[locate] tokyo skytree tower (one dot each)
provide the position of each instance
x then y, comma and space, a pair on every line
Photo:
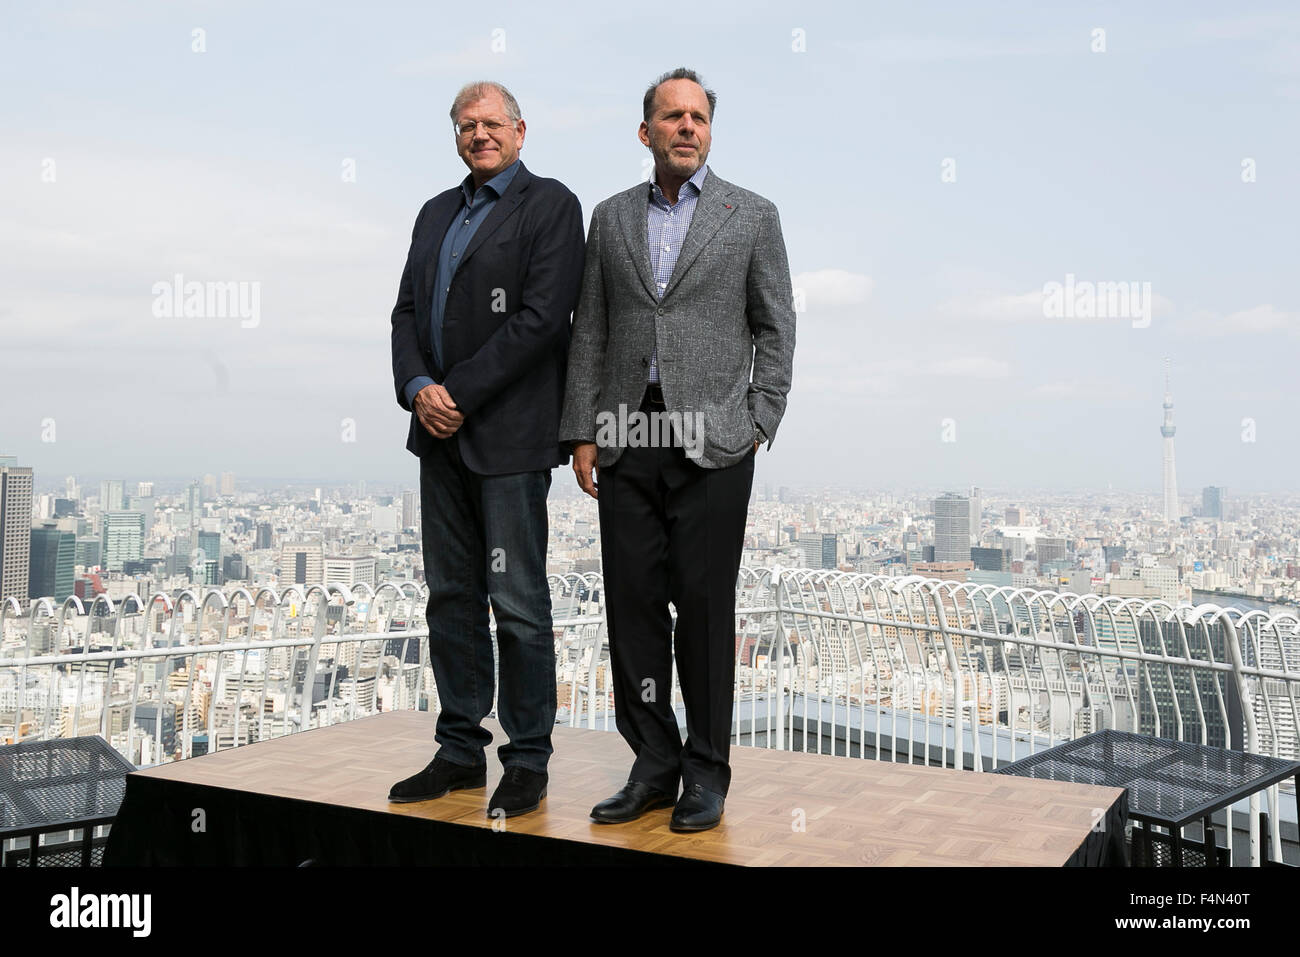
1167, 430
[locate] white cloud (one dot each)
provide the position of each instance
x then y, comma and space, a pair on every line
1013, 308
82, 253
1263, 318
830, 288
1258, 320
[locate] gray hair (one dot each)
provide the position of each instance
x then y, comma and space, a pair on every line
681, 73
473, 92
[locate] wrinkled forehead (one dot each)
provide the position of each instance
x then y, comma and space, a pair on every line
680, 95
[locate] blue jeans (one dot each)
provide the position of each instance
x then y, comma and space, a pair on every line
484, 538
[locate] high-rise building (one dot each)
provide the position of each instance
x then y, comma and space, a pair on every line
144, 504
144, 489
1212, 497
121, 539
227, 483
386, 518
976, 510
1186, 700
1163, 578
233, 569
819, 549
194, 501
300, 564
1050, 550
209, 556
158, 719
263, 535
88, 552
410, 508
952, 528
991, 559
15, 528
348, 570
1015, 515
1170, 482
112, 495
53, 555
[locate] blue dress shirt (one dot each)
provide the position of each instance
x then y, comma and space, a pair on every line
666, 227
475, 208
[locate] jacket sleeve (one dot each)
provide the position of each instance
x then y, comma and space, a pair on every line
550, 289
407, 361
769, 308
586, 347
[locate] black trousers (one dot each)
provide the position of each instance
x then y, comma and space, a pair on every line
673, 531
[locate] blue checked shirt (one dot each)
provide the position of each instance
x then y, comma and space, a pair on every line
666, 228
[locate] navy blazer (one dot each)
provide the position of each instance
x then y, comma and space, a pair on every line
505, 334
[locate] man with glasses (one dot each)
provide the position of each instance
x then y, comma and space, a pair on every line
686, 316
480, 337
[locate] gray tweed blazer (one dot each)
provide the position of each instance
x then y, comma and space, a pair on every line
724, 326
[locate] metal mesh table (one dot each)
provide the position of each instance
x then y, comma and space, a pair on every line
1170, 783
59, 785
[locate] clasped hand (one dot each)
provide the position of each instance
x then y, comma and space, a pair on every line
437, 411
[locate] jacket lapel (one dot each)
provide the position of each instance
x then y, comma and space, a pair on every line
503, 210
632, 212
439, 221
449, 205
711, 211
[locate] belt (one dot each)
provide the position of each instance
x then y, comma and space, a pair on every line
654, 395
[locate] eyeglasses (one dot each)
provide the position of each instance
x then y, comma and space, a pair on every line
468, 127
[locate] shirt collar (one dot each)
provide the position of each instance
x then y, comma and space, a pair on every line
696, 180
497, 183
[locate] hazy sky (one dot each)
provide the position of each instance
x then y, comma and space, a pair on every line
935, 165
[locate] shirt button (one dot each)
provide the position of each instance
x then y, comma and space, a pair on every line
467, 222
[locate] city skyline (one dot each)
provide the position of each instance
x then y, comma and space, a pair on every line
1168, 486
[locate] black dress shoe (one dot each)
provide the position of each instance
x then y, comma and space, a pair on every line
519, 792
697, 810
630, 803
439, 777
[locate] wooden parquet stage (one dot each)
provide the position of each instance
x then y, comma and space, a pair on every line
321, 797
